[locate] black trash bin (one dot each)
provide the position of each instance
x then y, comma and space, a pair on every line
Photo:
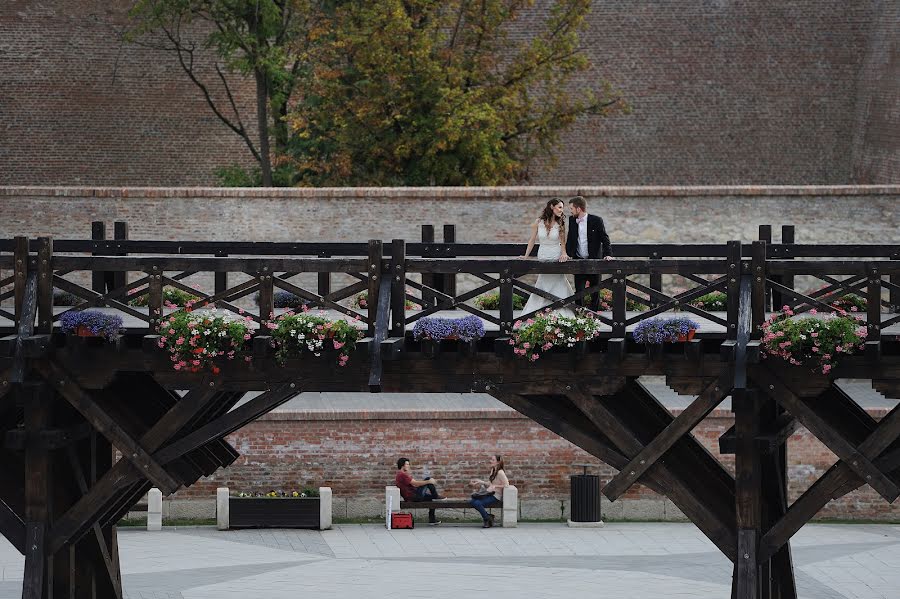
585, 496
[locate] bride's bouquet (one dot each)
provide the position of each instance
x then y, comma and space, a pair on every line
548, 330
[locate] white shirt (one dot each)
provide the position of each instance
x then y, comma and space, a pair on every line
582, 238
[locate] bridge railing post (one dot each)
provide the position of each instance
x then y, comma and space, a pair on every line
450, 278
873, 299
759, 288
155, 295
428, 279
220, 281
45, 285
655, 279
98, 277
398, 288
619, 291
779, 300
20, 269
734, 287
895, 293
765, 234
506, 301
120, 233
374, 273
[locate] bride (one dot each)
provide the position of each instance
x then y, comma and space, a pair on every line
550, 232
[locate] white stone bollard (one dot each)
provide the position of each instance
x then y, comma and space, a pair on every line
391, 503
510, 507
154, 510
324, 508
222, 517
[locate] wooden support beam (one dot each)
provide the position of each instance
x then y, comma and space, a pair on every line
683, 424
12, 526
381, 323
230, 422
769, 439
25, 329
826, 433
833, 484
760, 289
873, 299
131, 449
734, 286
85, 512
38, 402
688, 498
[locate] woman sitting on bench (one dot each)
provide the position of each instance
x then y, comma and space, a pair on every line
490, 492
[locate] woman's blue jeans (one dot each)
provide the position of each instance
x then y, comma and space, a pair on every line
483, 502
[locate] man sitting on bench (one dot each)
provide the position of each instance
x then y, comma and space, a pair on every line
416, 490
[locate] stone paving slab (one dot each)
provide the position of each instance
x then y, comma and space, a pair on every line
645, 560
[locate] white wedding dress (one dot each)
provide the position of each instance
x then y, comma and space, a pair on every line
557, 285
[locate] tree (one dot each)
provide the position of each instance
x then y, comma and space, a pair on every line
257, 39
435, 92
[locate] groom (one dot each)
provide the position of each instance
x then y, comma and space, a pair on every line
587, 238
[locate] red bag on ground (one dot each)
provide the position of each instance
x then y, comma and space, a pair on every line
402, 520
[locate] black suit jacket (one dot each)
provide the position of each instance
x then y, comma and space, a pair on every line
598, 240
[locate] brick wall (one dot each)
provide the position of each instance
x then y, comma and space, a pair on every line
836, 214
876, 133
722, 92
355, 453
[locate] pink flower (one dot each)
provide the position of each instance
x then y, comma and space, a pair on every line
813, 311
854, 309
246, 336
512, 341
826, 368
195, 362
534, 357
813, 334
247, 358
526, 345
338, 344
176, 366
240, 310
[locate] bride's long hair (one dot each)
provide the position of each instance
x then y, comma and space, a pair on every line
548, 218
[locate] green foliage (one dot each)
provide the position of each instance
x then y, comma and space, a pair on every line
850, 302
548, 330
816, 340
606, 300
237, 176
172, 298
195, 339
491, 301
428, 92
296, 334
713, 302
362, 301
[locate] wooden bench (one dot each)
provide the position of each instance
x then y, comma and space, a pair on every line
509, 508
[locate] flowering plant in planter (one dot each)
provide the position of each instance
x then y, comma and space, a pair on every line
194, 338
813, 339
850, 302
664, 330
712, 302
285, 299
469, 328
306, 492
491, 301
548, 330
295, 334
91, 323
172, 298
362, 301
606, 302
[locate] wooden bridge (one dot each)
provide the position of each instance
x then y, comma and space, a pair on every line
66, 402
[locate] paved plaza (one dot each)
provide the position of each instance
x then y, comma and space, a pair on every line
622, 560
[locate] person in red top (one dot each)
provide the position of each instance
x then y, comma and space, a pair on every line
416, 490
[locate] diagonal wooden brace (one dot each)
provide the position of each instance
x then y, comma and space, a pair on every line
850, 455
685, 422
124, 472
131, 448
839, 480
685, 496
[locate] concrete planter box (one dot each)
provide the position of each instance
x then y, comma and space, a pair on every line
273, 512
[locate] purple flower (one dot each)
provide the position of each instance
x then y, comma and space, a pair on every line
99, 323
466, 329
663, 330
